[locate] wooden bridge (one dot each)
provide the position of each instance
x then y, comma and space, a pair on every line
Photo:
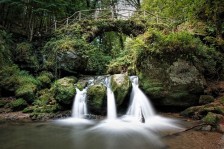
110, 14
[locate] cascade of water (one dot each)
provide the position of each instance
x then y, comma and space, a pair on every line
140, 105
111, 106
79, 108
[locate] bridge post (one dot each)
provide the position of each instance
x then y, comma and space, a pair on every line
55, 24
80, 15
144, 14
67, 22
112, 13
157, 18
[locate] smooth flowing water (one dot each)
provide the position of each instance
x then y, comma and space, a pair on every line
111, 106
140, 106
79, 108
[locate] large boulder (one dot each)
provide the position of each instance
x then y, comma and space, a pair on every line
96, 102
72, 61
121, 86
64, 90
179, 84
66, 54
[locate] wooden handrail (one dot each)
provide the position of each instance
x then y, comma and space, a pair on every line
95, 14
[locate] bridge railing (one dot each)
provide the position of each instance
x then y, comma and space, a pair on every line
109, 14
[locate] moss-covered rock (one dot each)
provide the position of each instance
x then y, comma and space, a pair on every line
45, 103
27, 87
198, 112
64, 90
18, 104
179, 84
211, 118
26, 91
205, 99
121, 86
66, 55
96, 95
45, 78
13, 81
25, 56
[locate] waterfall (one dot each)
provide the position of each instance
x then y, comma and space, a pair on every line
79, 108
139, 107
111, 106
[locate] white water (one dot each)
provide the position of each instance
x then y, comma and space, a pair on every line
140, 106
111, 105
79, 108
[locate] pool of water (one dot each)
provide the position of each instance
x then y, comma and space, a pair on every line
71, 134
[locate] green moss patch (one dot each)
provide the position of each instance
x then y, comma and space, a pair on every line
18, 104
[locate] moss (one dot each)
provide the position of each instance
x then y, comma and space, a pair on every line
64, 90
18, 104
190, 112
46, 109
205, 99
25, 56
3, 103
96, 98
28, 110
211, 118
121, 86
27, 86
36, 109
80, 85
45, 103
45, 78
8, 78
222, 100
66, 54
152, 86
26, 91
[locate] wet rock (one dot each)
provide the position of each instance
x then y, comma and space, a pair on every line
205, 99
179, 84
121, 86
199, 112
211, 118
72, 61
64, 90
96, 99
206, 128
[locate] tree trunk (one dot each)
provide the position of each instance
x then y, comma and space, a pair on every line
2, 14
31, 25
